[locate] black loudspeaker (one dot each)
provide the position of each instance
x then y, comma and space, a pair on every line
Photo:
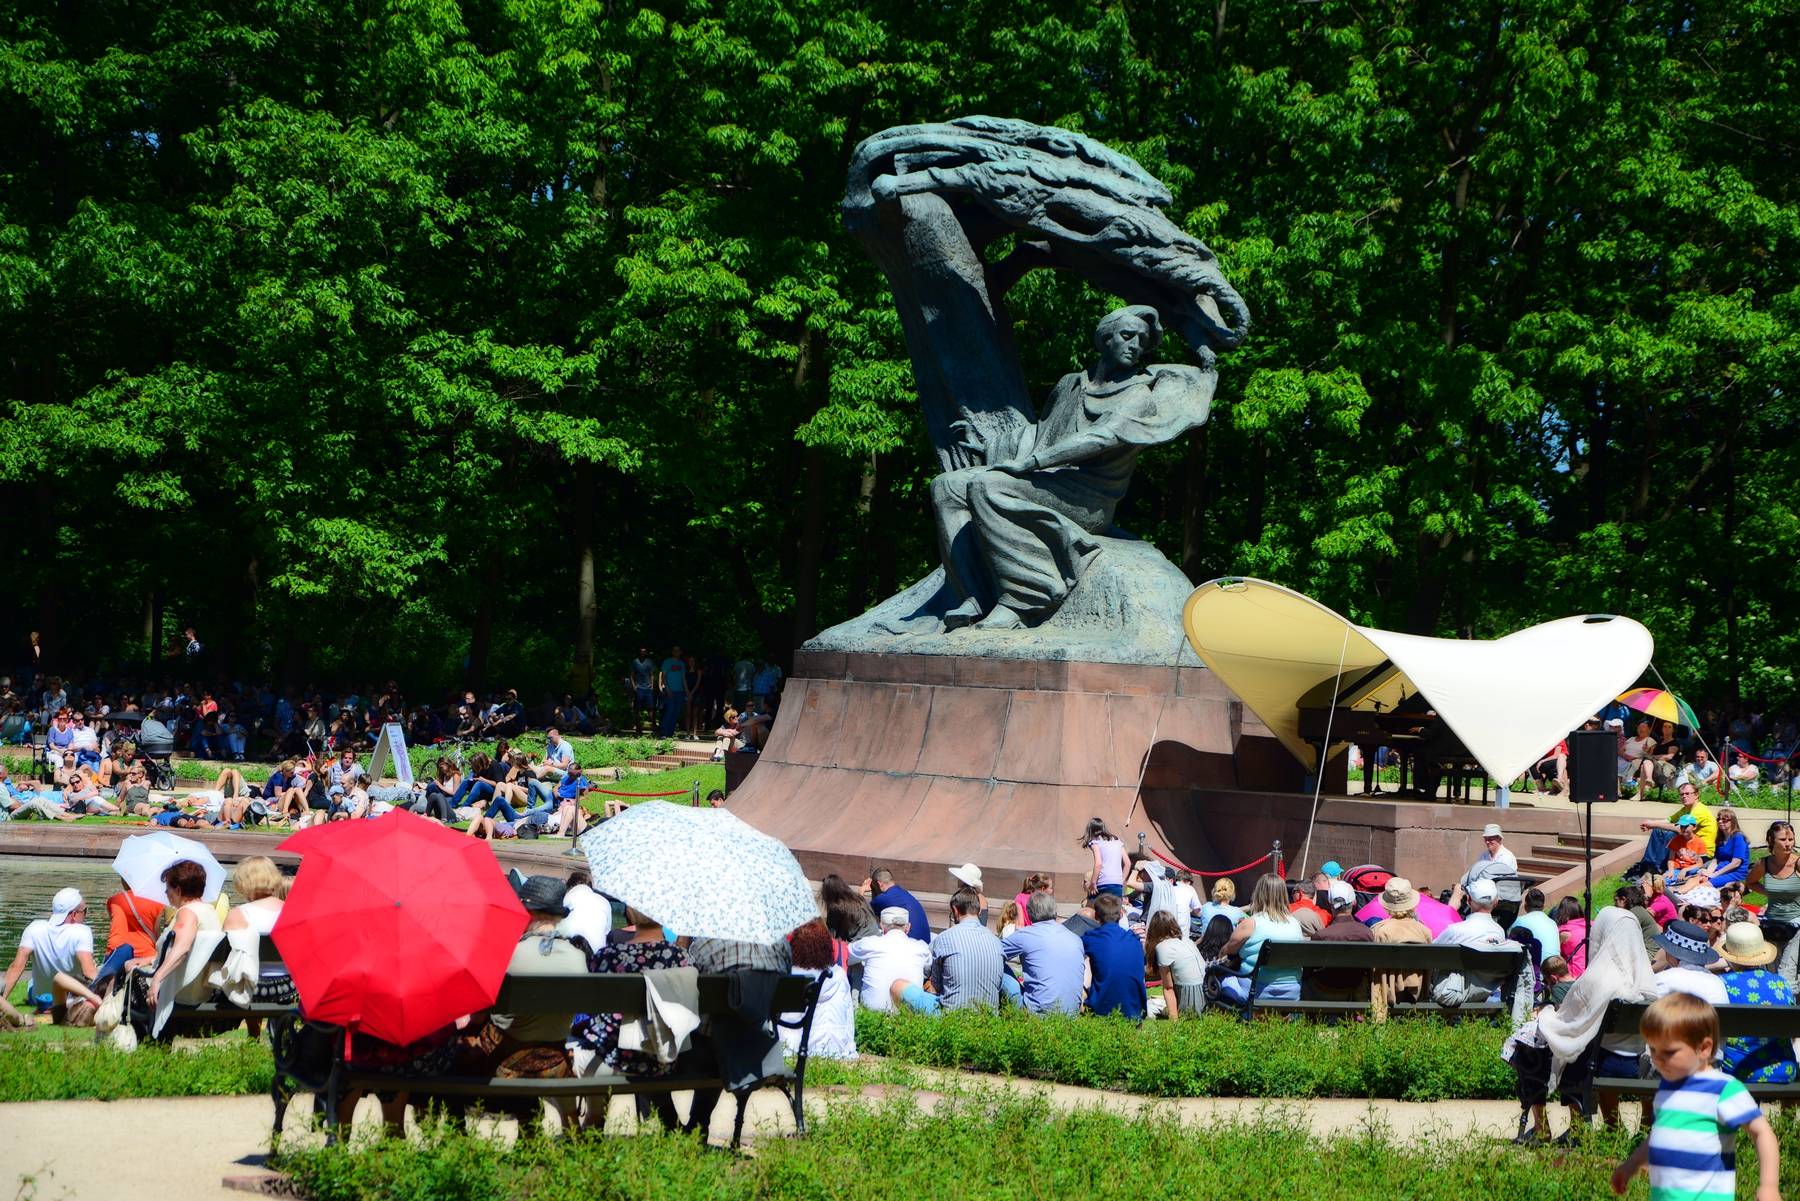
1593, 766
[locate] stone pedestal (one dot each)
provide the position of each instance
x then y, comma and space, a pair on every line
921, 762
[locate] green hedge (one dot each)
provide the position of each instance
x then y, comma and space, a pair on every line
1413, 1059
982, 1149
58, 1070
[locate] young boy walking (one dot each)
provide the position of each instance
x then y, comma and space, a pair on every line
1692, 1148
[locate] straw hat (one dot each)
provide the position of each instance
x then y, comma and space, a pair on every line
1399, 896
1745, 946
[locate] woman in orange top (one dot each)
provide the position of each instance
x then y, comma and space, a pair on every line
131, 922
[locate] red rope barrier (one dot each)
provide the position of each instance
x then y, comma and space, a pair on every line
1196, 871
609, 792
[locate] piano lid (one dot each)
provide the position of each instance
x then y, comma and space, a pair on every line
1507, 699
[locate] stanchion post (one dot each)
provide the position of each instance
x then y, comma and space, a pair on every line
695, 801
1275, 863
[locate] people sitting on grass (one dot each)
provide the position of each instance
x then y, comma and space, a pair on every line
883, 893
132, 924
968, 969
1731, 858
1572, 934
1223, 904
1777, 876
834, 1018
21, 799
1177, 964
1267, 921
847, 912
1051, 959
59, 951
1631, 899
893, 959
1115, 960
1684, 955
1534, 924
1305, 908
1480, 931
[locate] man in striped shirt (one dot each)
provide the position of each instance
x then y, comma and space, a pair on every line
967, 966
1692, 1148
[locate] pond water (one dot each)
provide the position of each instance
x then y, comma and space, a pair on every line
27, 882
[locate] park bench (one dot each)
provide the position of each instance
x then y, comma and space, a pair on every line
525, 995
1398, 957
598, 993
1735, 1021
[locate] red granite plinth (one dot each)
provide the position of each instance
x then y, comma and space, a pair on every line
922, 762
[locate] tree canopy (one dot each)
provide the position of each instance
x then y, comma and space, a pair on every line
488, 340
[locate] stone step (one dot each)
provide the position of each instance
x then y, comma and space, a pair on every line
1602, 842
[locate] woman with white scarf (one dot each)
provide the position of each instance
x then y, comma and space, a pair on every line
1618, 970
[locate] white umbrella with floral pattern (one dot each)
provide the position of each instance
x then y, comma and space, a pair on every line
700, 872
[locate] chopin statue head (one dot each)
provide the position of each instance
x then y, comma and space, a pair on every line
1126, 337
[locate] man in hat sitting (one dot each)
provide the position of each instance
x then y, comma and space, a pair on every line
1497, 864
1480, 930
60, 952
1681, 963
892, 957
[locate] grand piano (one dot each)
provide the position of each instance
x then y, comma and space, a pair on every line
1373, 708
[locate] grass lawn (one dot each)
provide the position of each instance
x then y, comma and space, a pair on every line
682, 779
976, 1146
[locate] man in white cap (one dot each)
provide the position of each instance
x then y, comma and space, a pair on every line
60, 952
889, 957
1478, 930
1499, 866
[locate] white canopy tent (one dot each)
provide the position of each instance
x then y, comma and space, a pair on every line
1508, 700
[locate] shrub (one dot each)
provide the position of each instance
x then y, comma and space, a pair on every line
1413, 1059
44, 1070
979, 1148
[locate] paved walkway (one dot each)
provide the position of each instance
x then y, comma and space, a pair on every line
105, 1150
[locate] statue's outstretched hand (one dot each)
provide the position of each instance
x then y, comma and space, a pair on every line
1012, 467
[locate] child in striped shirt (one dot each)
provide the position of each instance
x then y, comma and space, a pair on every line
1692, 1148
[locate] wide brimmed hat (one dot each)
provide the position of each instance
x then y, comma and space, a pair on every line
1399, 896
1745, 946
543, 894
969, 874
1491, 830
1687, 942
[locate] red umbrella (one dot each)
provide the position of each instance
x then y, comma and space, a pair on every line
396, 926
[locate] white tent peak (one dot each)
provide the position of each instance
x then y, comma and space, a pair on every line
1507, 699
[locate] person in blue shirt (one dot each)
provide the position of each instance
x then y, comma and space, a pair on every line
674, 689
883, 892
557, 753
570, 817
1051, 958
1116, 958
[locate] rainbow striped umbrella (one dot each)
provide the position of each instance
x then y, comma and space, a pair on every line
1664, 706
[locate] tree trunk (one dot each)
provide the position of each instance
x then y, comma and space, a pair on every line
587, 604
49, 598
481, 637
809, 543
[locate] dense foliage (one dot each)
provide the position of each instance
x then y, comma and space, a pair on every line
980, 1148
484, 339
43, 1069
1215, 1056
